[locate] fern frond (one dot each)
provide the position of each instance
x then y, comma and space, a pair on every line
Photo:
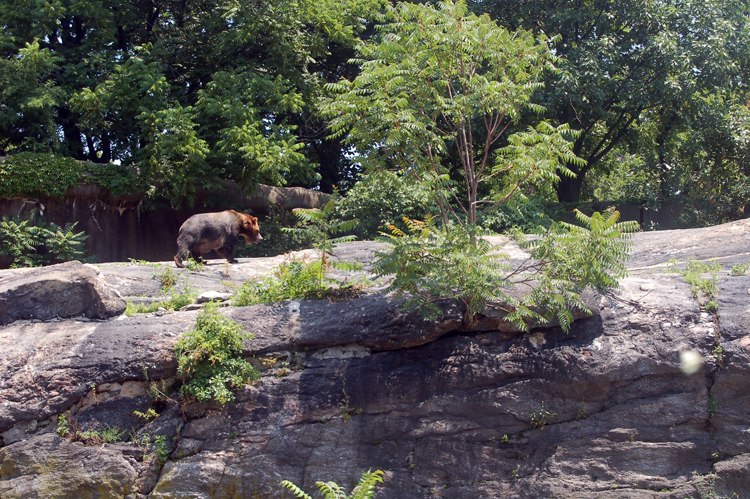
295, 490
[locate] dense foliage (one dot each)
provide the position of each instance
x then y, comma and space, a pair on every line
32, 244
43, 174
383, 198
629, 64
438, 93
29, 174
188, 92
209, 358
430, 264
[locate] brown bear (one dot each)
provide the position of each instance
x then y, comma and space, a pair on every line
215, 231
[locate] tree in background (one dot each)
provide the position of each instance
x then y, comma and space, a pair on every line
622, 60
189, 93
438, 93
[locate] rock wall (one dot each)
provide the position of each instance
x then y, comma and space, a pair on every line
607, 411
128, 227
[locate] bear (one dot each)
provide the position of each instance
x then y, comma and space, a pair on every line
215, 231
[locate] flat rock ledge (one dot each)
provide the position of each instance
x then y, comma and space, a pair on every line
608, 410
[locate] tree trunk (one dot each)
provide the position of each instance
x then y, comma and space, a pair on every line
569, 189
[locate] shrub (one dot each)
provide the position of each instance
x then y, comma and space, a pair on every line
432, 264
289, 281
381, 199
295, 280
33, 245
208, 358
37, 174
315, 221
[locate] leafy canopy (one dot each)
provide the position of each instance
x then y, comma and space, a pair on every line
626, 62
187, 93
439, 92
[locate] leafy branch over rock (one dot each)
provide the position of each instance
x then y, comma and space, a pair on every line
432, 264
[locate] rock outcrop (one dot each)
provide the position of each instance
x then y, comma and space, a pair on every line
607, 410
66, 290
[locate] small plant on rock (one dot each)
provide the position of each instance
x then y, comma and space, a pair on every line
741, 269
63, 426
209, 358
195, 265
541, 418
321, 222
705, 289
161, 449
167, 278
149, 415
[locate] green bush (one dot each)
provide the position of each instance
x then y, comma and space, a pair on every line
209, 358
429, 264
432, 264
33, 245
37, 174
381, 199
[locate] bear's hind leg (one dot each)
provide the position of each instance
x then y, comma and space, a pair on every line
180, 256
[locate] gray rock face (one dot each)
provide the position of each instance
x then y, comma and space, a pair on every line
606, 411
66, 290
50, 467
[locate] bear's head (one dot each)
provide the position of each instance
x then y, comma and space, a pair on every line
249, 228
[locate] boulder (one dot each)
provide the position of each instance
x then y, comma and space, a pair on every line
69, 289
50, 467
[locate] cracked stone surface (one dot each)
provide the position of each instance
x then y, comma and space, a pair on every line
602, 412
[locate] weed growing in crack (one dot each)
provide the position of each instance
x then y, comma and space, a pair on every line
149, 415
582, 413
711, 406
741, 269
541, 418
348, 411
63, 426
718, 353
161, 450
699, 285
